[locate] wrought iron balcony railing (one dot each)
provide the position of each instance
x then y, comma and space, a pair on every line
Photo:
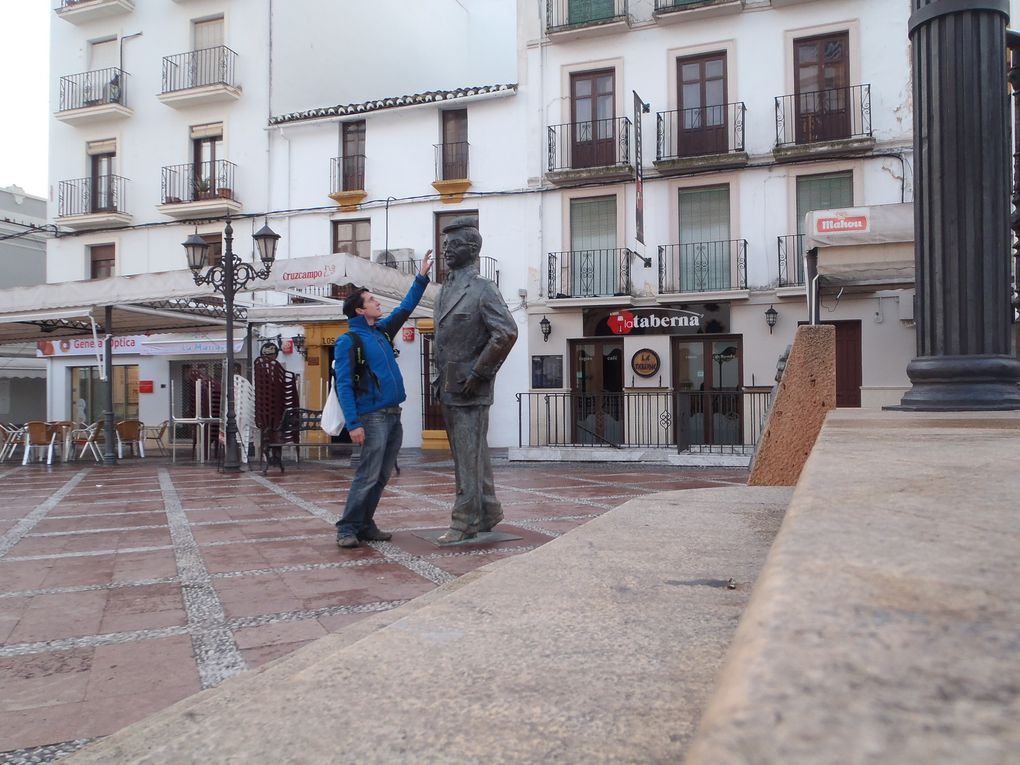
452, 161
591, 144
197, 181
665, 6
487, 267
710, 420
823, 115
565, 14
347, 173
96, 88
88, 196
589, 273
199, 68
703, 266
791, 259
700, 131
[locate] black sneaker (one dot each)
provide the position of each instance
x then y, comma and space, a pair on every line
349, 540
375, 535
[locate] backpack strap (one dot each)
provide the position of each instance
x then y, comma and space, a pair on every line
359, 364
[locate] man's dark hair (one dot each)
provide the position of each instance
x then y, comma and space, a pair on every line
353, 302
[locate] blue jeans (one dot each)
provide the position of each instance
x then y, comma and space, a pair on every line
383, 436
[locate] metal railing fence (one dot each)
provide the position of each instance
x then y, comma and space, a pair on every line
685, 420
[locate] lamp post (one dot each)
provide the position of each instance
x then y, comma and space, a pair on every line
227, 277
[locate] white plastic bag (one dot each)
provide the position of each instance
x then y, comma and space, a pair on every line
332, 420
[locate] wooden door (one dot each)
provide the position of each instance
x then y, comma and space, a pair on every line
593, 125
822, 71
701, 102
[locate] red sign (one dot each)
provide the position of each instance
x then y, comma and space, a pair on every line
408, 334
287, 346
145, 386
841, 223
621, 322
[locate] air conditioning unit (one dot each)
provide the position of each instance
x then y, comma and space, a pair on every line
393, 257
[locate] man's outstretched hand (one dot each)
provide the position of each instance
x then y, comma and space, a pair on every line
426, 263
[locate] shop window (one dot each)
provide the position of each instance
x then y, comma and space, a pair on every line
88, 393
546, 371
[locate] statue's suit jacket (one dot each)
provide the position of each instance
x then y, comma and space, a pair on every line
474, 334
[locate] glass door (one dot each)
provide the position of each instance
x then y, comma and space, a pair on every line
597, 392
706, 380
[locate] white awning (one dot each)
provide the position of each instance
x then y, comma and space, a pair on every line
170, 300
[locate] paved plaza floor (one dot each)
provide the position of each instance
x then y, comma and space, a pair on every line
125, 589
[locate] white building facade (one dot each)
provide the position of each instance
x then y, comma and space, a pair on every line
361, 129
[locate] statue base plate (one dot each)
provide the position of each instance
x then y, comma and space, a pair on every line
482, 538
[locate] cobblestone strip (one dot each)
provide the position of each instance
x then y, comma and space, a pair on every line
41, 754
216, 653
80, 532
243, 622
90, 641
26, 524
89, 587
89, 553
393, 553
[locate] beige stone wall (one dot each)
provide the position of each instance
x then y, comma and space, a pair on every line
806, 393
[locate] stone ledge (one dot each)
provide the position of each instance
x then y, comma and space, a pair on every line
883, 628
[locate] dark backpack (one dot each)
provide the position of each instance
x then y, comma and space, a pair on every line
361, 373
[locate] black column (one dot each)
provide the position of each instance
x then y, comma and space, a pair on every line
961, 213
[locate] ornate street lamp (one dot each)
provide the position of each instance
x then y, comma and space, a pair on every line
228, 277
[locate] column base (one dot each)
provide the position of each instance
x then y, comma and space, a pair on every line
962, 384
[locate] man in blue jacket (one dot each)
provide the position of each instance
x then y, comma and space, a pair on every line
371, 403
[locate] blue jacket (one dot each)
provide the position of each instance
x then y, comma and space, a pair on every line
380, 359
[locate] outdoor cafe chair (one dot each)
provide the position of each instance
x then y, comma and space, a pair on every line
38, 435
12, 436
89, 438
130, 433
156, 433
63, 429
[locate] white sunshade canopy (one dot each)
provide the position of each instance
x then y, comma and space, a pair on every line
170, 300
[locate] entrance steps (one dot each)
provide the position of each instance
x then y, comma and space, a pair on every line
735, 456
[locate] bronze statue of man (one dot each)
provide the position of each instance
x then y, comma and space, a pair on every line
474, 334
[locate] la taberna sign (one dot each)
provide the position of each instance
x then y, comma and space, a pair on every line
691, 319
626, 321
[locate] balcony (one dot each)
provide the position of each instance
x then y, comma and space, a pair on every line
96, 202
824, 122
199, 190
86, 11
93, 97
670, 11
590, 274
708, 137
791, 260
452, 171
596, 150
572, 19
347, 181
200, 77
487, 267
703, 267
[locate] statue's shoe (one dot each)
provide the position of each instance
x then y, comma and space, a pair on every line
454, 535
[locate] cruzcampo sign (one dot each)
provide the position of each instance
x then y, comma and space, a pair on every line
692, 319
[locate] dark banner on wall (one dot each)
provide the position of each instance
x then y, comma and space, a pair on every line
687, 319
639, 173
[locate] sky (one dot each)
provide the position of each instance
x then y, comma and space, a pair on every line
24, 93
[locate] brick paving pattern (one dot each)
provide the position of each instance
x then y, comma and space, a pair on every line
126, 589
